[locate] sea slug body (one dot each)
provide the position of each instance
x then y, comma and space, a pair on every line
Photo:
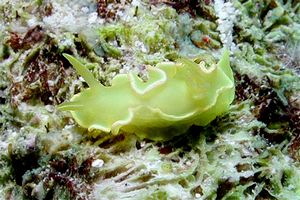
176, 96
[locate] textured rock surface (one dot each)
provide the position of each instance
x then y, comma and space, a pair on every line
251, 152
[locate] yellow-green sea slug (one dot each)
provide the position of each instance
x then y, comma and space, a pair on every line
176, 96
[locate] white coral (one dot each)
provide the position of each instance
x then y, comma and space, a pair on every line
226, 14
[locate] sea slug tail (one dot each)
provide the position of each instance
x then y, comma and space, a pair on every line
224, 64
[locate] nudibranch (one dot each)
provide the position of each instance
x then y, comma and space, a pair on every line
175, 96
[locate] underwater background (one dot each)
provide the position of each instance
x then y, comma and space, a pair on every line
252, 151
